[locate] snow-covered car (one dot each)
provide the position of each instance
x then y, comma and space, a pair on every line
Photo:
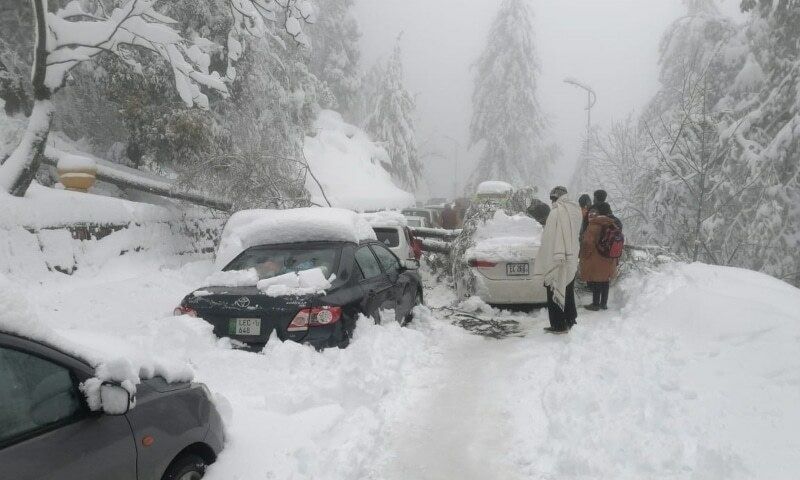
494, 190
48, 428
417, 222
426, 213
303, 275
500, 262
391, 229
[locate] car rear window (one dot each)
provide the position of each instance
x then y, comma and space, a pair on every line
273, 261
388, 236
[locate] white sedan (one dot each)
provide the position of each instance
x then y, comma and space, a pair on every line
501, 262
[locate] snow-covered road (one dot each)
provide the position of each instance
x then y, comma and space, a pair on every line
694, 374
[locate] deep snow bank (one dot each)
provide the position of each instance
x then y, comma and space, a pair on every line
348, 165
696, 377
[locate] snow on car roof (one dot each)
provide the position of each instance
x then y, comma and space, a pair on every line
112, 358
386, 218
249, 228
494, 187
504, 237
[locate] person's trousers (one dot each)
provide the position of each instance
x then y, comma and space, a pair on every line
599, 293
562, 319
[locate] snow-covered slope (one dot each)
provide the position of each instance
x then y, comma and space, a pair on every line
697, 376
348, 165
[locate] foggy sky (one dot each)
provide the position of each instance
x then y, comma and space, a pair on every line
611, 45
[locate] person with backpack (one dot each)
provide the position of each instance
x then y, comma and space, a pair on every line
601, 247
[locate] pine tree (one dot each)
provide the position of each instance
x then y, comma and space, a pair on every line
768, 143
391, 123
689, 172
507, 119
335, 56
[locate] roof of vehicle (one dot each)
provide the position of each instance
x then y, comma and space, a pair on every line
494, 187
385, 219
250, 228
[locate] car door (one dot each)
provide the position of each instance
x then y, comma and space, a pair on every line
375, 284
402, 293
46, 429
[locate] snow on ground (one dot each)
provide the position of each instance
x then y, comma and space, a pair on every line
692, 374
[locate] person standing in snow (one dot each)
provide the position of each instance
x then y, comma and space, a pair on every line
557, 260
449, 218
595, 269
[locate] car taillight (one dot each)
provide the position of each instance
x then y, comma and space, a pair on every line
315, 317
184, 310
482, 263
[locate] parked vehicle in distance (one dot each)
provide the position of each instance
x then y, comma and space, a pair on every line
500, 264
494, 190
47, 430
429, 215
417, 222
391, 229
305, 277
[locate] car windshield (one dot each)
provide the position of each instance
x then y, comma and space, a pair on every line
388, 236
271, 261
414, 222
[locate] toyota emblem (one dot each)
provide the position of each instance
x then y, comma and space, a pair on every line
243, 302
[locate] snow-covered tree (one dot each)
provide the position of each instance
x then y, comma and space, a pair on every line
391, 122
335, 56
78, 33
689, 176
507, 119
767, 141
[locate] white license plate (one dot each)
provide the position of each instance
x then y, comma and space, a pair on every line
518, 269
244, 326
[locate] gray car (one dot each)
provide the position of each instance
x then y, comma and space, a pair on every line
47, 430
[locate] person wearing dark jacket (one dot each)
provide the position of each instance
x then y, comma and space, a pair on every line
585, 202
449, 218
595, 269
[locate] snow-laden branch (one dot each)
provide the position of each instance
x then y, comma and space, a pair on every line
74, 36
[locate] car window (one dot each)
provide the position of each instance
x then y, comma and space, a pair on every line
387, 258
273, 261
388, 236
34, 394
366, 260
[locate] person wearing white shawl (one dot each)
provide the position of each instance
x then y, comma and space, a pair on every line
557, 260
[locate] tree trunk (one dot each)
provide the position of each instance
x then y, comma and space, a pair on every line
19, 169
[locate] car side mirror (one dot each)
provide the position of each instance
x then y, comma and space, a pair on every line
410, 264
115, 399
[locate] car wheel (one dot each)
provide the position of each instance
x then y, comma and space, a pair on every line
186, 467
410, 316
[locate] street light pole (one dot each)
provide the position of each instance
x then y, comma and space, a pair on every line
591, 100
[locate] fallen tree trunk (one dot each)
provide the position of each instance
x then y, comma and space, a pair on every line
438, 233
124, 177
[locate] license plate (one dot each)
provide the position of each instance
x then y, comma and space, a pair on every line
517, 269
244, 326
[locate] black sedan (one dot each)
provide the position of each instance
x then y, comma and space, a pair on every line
368, 278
